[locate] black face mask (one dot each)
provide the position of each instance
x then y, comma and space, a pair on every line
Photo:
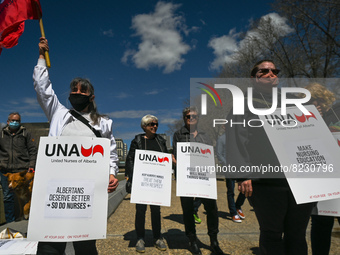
79, 101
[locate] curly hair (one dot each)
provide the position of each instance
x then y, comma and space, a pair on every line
322, 95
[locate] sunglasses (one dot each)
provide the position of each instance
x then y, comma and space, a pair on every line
152, 124
191, 116
14, 120
267, 70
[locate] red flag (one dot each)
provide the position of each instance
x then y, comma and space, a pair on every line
13, 14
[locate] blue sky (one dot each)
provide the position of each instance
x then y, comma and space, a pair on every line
139, 55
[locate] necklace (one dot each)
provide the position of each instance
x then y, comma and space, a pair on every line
264, 100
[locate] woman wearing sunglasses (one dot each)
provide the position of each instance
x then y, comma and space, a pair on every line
283, 223
153, 142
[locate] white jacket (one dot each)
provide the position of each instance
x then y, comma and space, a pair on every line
58, 115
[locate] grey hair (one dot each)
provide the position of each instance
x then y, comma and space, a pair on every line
14, 113
189, 109
147, 119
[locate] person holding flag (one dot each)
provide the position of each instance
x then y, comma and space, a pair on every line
82, 120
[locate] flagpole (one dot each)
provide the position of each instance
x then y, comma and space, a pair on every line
47, 56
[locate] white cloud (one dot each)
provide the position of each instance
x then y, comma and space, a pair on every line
168, 121
108, 33
161, 114
127, 135
130, 114
24, 104
123, 95
27, 107
162, 44
279, 22
152, 92
224, 47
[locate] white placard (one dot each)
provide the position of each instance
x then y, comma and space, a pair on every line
151, 178
305, 148
69, 198
17, 247
328, 208
196, 176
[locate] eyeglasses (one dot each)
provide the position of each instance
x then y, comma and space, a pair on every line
191, 116
14, 120
152, 124
267, 70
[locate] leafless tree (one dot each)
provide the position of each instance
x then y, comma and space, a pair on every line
311, 49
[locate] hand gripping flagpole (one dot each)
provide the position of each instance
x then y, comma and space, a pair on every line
47, 56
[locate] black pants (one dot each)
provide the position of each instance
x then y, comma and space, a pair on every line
155, 220
58, 248
210, 207
282, 222
321, 234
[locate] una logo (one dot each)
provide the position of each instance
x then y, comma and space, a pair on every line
153, 158
204, 96
193, 149
206, 151
64, 150
303, 118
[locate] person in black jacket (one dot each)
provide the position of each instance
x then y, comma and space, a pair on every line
18, 152
190, 133
321, 230
283, 223
147, 141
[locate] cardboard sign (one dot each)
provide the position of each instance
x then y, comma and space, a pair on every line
307, 153
151, 178
196, 176
69, 199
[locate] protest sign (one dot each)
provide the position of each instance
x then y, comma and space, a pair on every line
151, 178
69, 199
17, 247
328, 208
196, 176
307, 153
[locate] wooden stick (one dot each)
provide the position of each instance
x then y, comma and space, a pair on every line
47, 56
